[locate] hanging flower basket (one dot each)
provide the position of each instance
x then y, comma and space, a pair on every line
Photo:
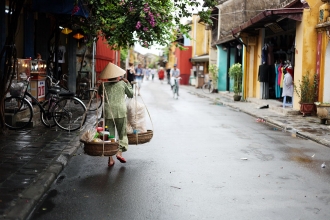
140, 138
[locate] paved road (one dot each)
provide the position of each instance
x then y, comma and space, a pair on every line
206, 161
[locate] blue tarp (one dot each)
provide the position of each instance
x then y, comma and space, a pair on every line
58, 7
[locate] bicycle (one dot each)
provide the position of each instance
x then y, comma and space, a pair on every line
175, 87
208, 87
87, 95
67, 111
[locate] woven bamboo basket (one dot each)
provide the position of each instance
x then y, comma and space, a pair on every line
140, 138
96, 148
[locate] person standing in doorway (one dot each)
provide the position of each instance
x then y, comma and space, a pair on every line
175, 74
138, 77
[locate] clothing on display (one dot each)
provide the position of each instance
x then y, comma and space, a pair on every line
60, 54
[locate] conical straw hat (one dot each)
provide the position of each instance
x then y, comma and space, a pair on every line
111, 71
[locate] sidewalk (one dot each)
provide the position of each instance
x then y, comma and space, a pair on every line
282, 118
30, 161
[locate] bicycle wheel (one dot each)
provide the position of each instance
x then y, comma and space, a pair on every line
18, 112
207, 88
69, 113
47, 117
91, 94
175, 91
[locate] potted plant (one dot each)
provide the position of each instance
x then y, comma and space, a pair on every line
323, 111
306, 91
213, 69
236, 73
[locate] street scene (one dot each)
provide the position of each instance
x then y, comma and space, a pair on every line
205, 161
206, 109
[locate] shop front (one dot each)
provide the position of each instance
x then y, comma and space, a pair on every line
200, 65
271, 48
229, 52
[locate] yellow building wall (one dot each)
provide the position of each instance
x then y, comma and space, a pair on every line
306, 45
200, 38
171, 56
257, 63
325, 42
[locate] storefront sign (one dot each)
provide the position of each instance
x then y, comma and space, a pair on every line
41, 89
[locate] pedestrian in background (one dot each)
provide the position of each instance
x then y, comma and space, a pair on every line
168, 74
130, 74
138, 77
161, 74
153, 72
147, 73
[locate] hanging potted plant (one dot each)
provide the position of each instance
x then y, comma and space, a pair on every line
236, 73
306, 91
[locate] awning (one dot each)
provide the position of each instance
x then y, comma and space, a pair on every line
223, 40
59, 7
200, 59
269, 17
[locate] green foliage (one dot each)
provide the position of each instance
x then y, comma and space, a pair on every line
126, 22
236, 73
213, 69
307, 88
123, 54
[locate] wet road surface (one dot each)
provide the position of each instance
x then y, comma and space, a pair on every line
205, 161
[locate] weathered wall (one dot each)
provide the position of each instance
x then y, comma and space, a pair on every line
306, 45
235, 12
200, 38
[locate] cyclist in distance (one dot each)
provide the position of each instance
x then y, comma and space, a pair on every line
174, 74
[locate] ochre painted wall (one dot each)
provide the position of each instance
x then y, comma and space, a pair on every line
171, 56
200, 38
257, 63
306, 45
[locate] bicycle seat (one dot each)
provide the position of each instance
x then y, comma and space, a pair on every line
54, 90
82, 84
67, 94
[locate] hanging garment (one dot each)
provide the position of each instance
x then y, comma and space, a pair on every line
281, 76
270, 55
263, 73
279, 69
277, 86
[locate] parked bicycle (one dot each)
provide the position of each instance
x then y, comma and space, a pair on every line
87, 95
208, 87
66, 110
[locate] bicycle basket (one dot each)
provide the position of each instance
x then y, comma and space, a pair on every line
17, 88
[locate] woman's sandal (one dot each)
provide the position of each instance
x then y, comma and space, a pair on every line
110, 164
121, 159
